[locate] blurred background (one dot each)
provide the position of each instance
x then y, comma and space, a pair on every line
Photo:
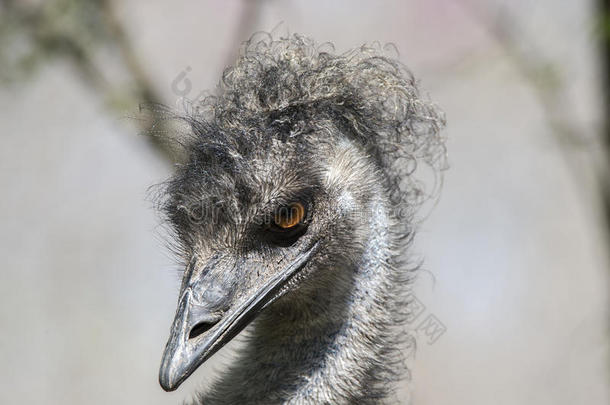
516, 273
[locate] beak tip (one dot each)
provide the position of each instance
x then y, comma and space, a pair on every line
168, 378
166, 381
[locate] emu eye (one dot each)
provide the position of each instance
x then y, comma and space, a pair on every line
290, 216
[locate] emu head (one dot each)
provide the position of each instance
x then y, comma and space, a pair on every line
284, 167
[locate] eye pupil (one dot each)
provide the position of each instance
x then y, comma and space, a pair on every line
290, 216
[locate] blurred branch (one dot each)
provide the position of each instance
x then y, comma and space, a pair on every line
79, 32
76, 31
604, 12
546, 80
246, 24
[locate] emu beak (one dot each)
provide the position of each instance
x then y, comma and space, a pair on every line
197, 333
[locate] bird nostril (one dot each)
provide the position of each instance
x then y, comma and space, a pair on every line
201, 328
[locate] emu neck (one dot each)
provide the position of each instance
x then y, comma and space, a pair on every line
338, 347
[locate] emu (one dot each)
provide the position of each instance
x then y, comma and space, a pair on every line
291, 215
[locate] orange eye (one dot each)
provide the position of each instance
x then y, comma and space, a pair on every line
290, 216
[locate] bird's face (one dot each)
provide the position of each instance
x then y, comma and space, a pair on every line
266, 230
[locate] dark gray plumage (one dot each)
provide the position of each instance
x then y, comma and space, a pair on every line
294, 131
